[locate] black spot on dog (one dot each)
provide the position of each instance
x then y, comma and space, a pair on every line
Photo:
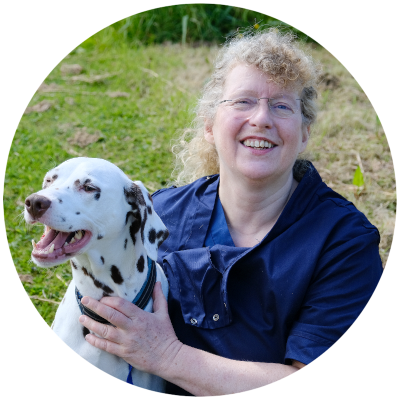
73, 265
99, 237
60, 200
62, 219
162, 235
107, 289
149, 210
105, 294
135, 225
96, 282
77, 213
133, 230
134, 195
116, 275
70, 227
159, 234
143, 224
150, 198
87, 181
135, 214
49, 181
152, 235
102, 259
97, 196
140, 264
85, 331
125, 243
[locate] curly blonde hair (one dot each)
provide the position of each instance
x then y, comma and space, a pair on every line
274, 53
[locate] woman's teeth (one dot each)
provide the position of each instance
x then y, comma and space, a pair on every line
258, 143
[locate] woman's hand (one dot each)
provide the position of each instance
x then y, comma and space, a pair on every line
146, 341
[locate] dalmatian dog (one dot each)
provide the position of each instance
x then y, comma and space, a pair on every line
106, 226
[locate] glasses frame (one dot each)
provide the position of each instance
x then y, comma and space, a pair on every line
268, 102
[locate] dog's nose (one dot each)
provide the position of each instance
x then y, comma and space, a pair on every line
37, 205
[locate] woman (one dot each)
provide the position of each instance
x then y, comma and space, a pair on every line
267, 266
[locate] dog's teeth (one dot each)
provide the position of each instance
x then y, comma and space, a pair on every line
72, 240
78, 235
33, 244
51, 249
66, 244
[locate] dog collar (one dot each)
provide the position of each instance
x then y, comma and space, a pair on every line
141, 300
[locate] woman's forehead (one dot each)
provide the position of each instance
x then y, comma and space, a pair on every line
248, 79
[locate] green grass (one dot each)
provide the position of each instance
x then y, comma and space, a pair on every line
190, 23
135, 132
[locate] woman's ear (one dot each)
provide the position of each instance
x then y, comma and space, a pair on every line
305, 135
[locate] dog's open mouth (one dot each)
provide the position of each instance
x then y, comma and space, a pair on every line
54, 244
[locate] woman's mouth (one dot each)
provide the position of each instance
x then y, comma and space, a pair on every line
258, 144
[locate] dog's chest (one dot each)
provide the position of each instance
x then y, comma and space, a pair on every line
66, 325
68, 328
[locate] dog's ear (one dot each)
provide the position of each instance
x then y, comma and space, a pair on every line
152, 230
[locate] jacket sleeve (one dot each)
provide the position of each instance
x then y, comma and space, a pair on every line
345, 279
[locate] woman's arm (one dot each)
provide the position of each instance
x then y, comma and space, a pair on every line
205, 374
148, 342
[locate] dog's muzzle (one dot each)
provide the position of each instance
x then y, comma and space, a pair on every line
37, 205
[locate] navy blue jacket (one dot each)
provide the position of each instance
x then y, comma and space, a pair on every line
290, 297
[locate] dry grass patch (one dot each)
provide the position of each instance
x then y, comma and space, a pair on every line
348, 134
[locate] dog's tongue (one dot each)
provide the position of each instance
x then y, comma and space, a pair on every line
60, 239
53, 237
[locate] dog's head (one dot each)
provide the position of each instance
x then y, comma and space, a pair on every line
88, 202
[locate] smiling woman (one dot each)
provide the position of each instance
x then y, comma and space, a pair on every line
267, 266
233, 125
275, 60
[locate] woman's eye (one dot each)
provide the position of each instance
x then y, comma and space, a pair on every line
283, 106
243, 102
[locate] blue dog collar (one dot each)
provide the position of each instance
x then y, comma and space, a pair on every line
141, 300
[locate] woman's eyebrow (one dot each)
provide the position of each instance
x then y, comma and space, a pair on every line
244, 92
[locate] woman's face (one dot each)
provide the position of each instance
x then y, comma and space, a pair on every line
235, 132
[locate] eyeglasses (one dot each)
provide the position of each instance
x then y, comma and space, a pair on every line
281, 106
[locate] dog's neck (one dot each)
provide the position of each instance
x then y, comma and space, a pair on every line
119, 269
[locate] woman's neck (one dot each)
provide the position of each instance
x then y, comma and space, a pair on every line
251, 209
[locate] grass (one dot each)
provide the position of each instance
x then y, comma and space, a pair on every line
157, 87
194, 24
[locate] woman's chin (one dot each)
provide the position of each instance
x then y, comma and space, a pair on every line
259, 174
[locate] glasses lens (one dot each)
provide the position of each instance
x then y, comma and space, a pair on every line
283, 107
244, 103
